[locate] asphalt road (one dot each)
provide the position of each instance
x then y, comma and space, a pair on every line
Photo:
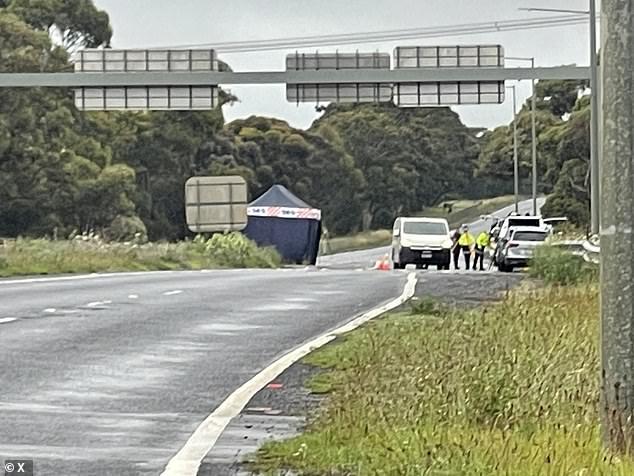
111, 375
526, 206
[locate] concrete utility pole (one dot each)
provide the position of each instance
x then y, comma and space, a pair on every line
595, 155
617, 220
516, 162
533, 129
534, 141
595, 86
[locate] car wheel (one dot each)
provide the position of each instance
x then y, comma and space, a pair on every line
504, 268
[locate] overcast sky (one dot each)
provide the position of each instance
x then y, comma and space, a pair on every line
154, 23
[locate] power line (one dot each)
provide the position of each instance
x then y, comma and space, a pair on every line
390, 35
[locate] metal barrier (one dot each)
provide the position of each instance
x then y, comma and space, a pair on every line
588, 250
592, 252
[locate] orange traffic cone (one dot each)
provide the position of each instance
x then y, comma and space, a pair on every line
384, 264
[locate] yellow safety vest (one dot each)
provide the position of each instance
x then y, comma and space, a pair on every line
466, 239
483, 240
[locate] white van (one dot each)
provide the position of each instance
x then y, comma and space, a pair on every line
422, 242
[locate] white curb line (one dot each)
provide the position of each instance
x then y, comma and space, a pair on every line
187, 461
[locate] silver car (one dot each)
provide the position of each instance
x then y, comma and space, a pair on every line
519, 249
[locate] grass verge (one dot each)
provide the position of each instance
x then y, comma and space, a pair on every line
89, 254
507, 390
360, 241
559, 267
466, 211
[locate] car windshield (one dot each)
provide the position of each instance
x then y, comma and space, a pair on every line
425, 228
529, 236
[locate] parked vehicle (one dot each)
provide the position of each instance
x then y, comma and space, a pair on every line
500, 235
519, 248
422, 242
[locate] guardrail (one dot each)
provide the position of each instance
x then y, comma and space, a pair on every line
588, 250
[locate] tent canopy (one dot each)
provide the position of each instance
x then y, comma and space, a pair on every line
280, 219
279, 196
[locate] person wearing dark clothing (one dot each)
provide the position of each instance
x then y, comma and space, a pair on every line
466, 243
482, 243
455, 250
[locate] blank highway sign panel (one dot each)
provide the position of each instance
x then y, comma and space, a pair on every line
338, 92
109, 60
216, 204
469, 56
448, 94
168, 98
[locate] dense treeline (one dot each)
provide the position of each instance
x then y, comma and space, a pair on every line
563, 127
123, 173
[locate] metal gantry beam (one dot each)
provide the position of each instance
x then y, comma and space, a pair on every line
72, 80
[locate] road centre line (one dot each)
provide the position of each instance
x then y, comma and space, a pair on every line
172, 293
188, 459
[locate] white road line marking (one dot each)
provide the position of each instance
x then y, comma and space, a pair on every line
172, 293
83, 276
187, 461
116, 275
98, 303
6, 320
133, 296
50, 310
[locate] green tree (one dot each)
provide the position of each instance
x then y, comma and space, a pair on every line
409, 158
563, 148
50, 169
319, 172
496, 154
559, 97
76, 23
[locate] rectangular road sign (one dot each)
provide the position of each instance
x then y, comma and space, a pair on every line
168, 98
94, 60
341, 93
338, 92
135, 97
216, 203
460, 56
448, 93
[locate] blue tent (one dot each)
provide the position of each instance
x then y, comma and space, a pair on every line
280, 219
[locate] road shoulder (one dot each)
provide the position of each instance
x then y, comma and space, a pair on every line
283, 408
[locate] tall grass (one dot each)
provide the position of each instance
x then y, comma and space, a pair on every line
558, 267
509, 390
360, 241
88, 253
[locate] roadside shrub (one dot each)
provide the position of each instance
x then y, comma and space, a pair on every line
428, 306
88, 252
556, 266
237, 251
125, 228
